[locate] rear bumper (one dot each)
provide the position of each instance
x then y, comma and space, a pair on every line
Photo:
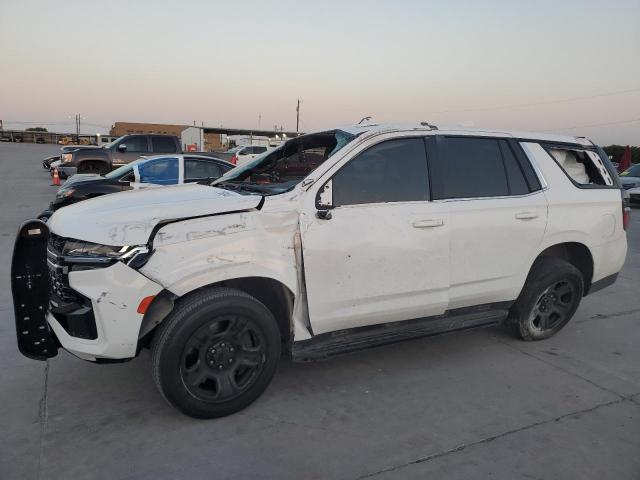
97, 318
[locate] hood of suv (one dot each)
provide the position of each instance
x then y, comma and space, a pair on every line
127, 218
81, 178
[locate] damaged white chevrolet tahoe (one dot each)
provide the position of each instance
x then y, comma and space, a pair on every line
334, 242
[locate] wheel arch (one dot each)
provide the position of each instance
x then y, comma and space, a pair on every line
577, 254
275, 295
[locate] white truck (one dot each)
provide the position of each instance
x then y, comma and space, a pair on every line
333, 242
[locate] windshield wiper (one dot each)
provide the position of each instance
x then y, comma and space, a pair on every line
248, 187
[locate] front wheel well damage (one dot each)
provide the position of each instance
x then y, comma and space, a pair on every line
274, 295
578, 255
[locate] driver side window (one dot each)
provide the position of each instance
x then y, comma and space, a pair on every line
136, 143
391, 171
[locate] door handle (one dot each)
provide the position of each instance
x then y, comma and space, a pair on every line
433, 222
526, 215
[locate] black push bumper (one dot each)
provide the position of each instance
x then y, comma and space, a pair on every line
30, 289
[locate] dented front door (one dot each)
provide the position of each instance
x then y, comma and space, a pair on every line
371, 264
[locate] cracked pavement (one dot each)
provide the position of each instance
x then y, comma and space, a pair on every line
477, 404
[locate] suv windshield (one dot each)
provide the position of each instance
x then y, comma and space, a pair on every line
279, 170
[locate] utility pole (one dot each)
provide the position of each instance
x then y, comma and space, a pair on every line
77, 128
298, 116
259, 120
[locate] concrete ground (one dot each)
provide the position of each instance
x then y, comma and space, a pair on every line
477, 404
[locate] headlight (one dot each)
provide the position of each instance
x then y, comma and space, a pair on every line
79, 248
66, 157
65, 192
134, 256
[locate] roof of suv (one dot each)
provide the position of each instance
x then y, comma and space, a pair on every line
423, 126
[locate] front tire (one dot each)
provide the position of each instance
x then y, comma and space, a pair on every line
215, 353
550, 297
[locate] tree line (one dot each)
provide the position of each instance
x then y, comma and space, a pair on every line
616, 151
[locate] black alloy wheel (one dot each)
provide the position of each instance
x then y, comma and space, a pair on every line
216, 352
551, 295
553, 306
223, 358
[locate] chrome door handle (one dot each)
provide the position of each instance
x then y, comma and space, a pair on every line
526, 215
434, 222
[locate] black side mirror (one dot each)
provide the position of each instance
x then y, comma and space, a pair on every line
122, 147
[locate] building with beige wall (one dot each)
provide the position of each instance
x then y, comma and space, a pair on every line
125, 128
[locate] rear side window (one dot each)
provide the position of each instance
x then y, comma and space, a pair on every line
469, 168
163, 145
198, 169
515, 175
391, 171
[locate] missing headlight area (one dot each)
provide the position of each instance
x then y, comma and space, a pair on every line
584, 167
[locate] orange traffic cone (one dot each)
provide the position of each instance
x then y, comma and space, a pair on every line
56, 178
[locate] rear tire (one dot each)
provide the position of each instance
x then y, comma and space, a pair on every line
215, 353
550, 297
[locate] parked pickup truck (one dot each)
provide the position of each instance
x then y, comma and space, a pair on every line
121, 151
333, 242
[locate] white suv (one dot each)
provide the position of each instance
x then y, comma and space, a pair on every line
333, 242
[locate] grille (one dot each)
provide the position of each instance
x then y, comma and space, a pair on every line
59, 272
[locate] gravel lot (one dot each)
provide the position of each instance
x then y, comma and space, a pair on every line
476, 404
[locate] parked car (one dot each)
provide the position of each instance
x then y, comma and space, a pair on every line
46, 163
143, 173
112, 155
243, 155
333, 242
630, 179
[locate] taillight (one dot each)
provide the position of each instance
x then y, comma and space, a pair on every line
626, 210
234, 159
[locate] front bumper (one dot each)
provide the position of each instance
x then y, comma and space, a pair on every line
92, 312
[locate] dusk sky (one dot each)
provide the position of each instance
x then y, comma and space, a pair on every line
226, 63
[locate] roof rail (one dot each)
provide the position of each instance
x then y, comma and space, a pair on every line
427, 124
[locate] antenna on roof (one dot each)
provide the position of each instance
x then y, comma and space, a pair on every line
364, 119
427, 124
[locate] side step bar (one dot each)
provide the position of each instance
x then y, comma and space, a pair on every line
345, 341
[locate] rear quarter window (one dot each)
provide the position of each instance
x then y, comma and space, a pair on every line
583, 167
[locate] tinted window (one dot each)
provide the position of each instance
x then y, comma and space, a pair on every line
259, 149
517, 182
137, 143
163, 144
469, 168
392, 171
197, 169
163, 171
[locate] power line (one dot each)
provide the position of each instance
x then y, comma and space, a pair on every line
620, 122
535, 104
